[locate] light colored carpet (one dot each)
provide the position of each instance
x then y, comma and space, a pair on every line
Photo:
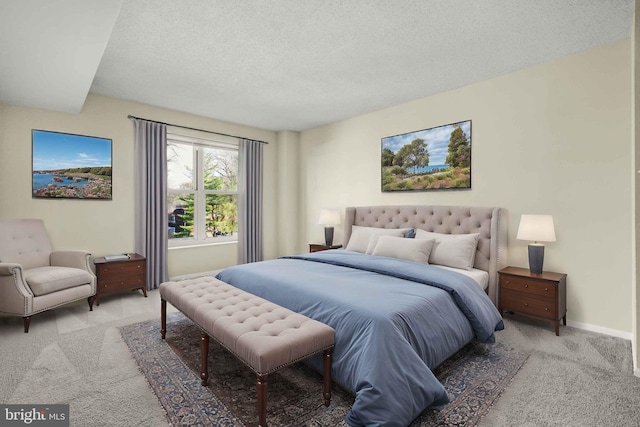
578, 379
71, 355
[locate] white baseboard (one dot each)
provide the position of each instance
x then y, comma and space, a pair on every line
600, 330
636, 372
194, 275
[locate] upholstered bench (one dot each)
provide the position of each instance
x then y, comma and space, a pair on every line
263, 335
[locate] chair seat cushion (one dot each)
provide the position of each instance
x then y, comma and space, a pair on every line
46, 280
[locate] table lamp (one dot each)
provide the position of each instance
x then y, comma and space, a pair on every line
329, 218
536, 228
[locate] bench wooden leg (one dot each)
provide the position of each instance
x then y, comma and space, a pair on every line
163, 318
327, 377
204, 357
262, 400
26, 321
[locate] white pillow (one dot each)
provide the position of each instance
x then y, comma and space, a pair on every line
399, 247
373, 241
360, 236
453, 250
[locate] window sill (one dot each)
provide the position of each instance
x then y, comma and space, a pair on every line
201, 245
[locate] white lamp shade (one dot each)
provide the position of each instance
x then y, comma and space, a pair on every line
537, 228
329, 217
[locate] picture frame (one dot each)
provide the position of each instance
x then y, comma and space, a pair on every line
437, 158
70, 166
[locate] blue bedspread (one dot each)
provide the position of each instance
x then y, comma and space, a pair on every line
395, 320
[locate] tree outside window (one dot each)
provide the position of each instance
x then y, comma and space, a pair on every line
202, 197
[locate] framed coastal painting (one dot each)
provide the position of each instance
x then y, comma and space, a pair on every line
68, 166
438, 158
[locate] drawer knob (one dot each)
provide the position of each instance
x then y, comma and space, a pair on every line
526, 286
507, 282
546, 309
526, 304
546, 289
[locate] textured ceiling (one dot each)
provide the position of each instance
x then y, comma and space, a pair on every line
295, 65
50, 51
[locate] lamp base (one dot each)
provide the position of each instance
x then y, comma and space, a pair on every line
328, 236
536, 258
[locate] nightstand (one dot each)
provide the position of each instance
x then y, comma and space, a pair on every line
122, 275
315, 247
539, 296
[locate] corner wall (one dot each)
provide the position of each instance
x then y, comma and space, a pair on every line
551, 139
106, 227
287, 200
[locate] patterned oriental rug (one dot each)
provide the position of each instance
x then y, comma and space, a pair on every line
474, 378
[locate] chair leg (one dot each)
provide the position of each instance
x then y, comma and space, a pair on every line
26, 321
91, 299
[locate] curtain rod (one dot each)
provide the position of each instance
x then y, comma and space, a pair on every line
199, 130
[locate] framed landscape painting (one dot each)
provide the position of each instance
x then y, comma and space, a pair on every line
67, 166
438, 158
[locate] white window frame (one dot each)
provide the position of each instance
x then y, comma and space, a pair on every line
200, 194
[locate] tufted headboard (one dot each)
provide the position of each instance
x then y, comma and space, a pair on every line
490, 223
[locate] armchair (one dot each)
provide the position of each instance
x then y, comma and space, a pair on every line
33, 277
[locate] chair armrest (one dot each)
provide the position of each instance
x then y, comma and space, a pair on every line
7, 268
74, 259
15, 296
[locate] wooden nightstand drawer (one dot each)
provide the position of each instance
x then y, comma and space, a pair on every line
123, 284
528, 285
542, 296
121, 275
517, 302
120, 269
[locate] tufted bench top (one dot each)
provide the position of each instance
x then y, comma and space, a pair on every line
262, 334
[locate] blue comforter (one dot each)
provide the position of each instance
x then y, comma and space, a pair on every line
395, 320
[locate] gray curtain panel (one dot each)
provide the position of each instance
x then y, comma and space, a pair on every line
250, 202
151, 198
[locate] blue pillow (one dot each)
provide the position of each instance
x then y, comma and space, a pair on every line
410, 233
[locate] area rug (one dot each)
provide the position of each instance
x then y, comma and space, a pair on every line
474, 378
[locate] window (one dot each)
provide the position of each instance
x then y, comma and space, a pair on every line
202, 183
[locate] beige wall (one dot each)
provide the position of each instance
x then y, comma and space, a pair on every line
106, 227
287, 200
552, 139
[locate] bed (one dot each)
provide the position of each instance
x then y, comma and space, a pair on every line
395, 319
